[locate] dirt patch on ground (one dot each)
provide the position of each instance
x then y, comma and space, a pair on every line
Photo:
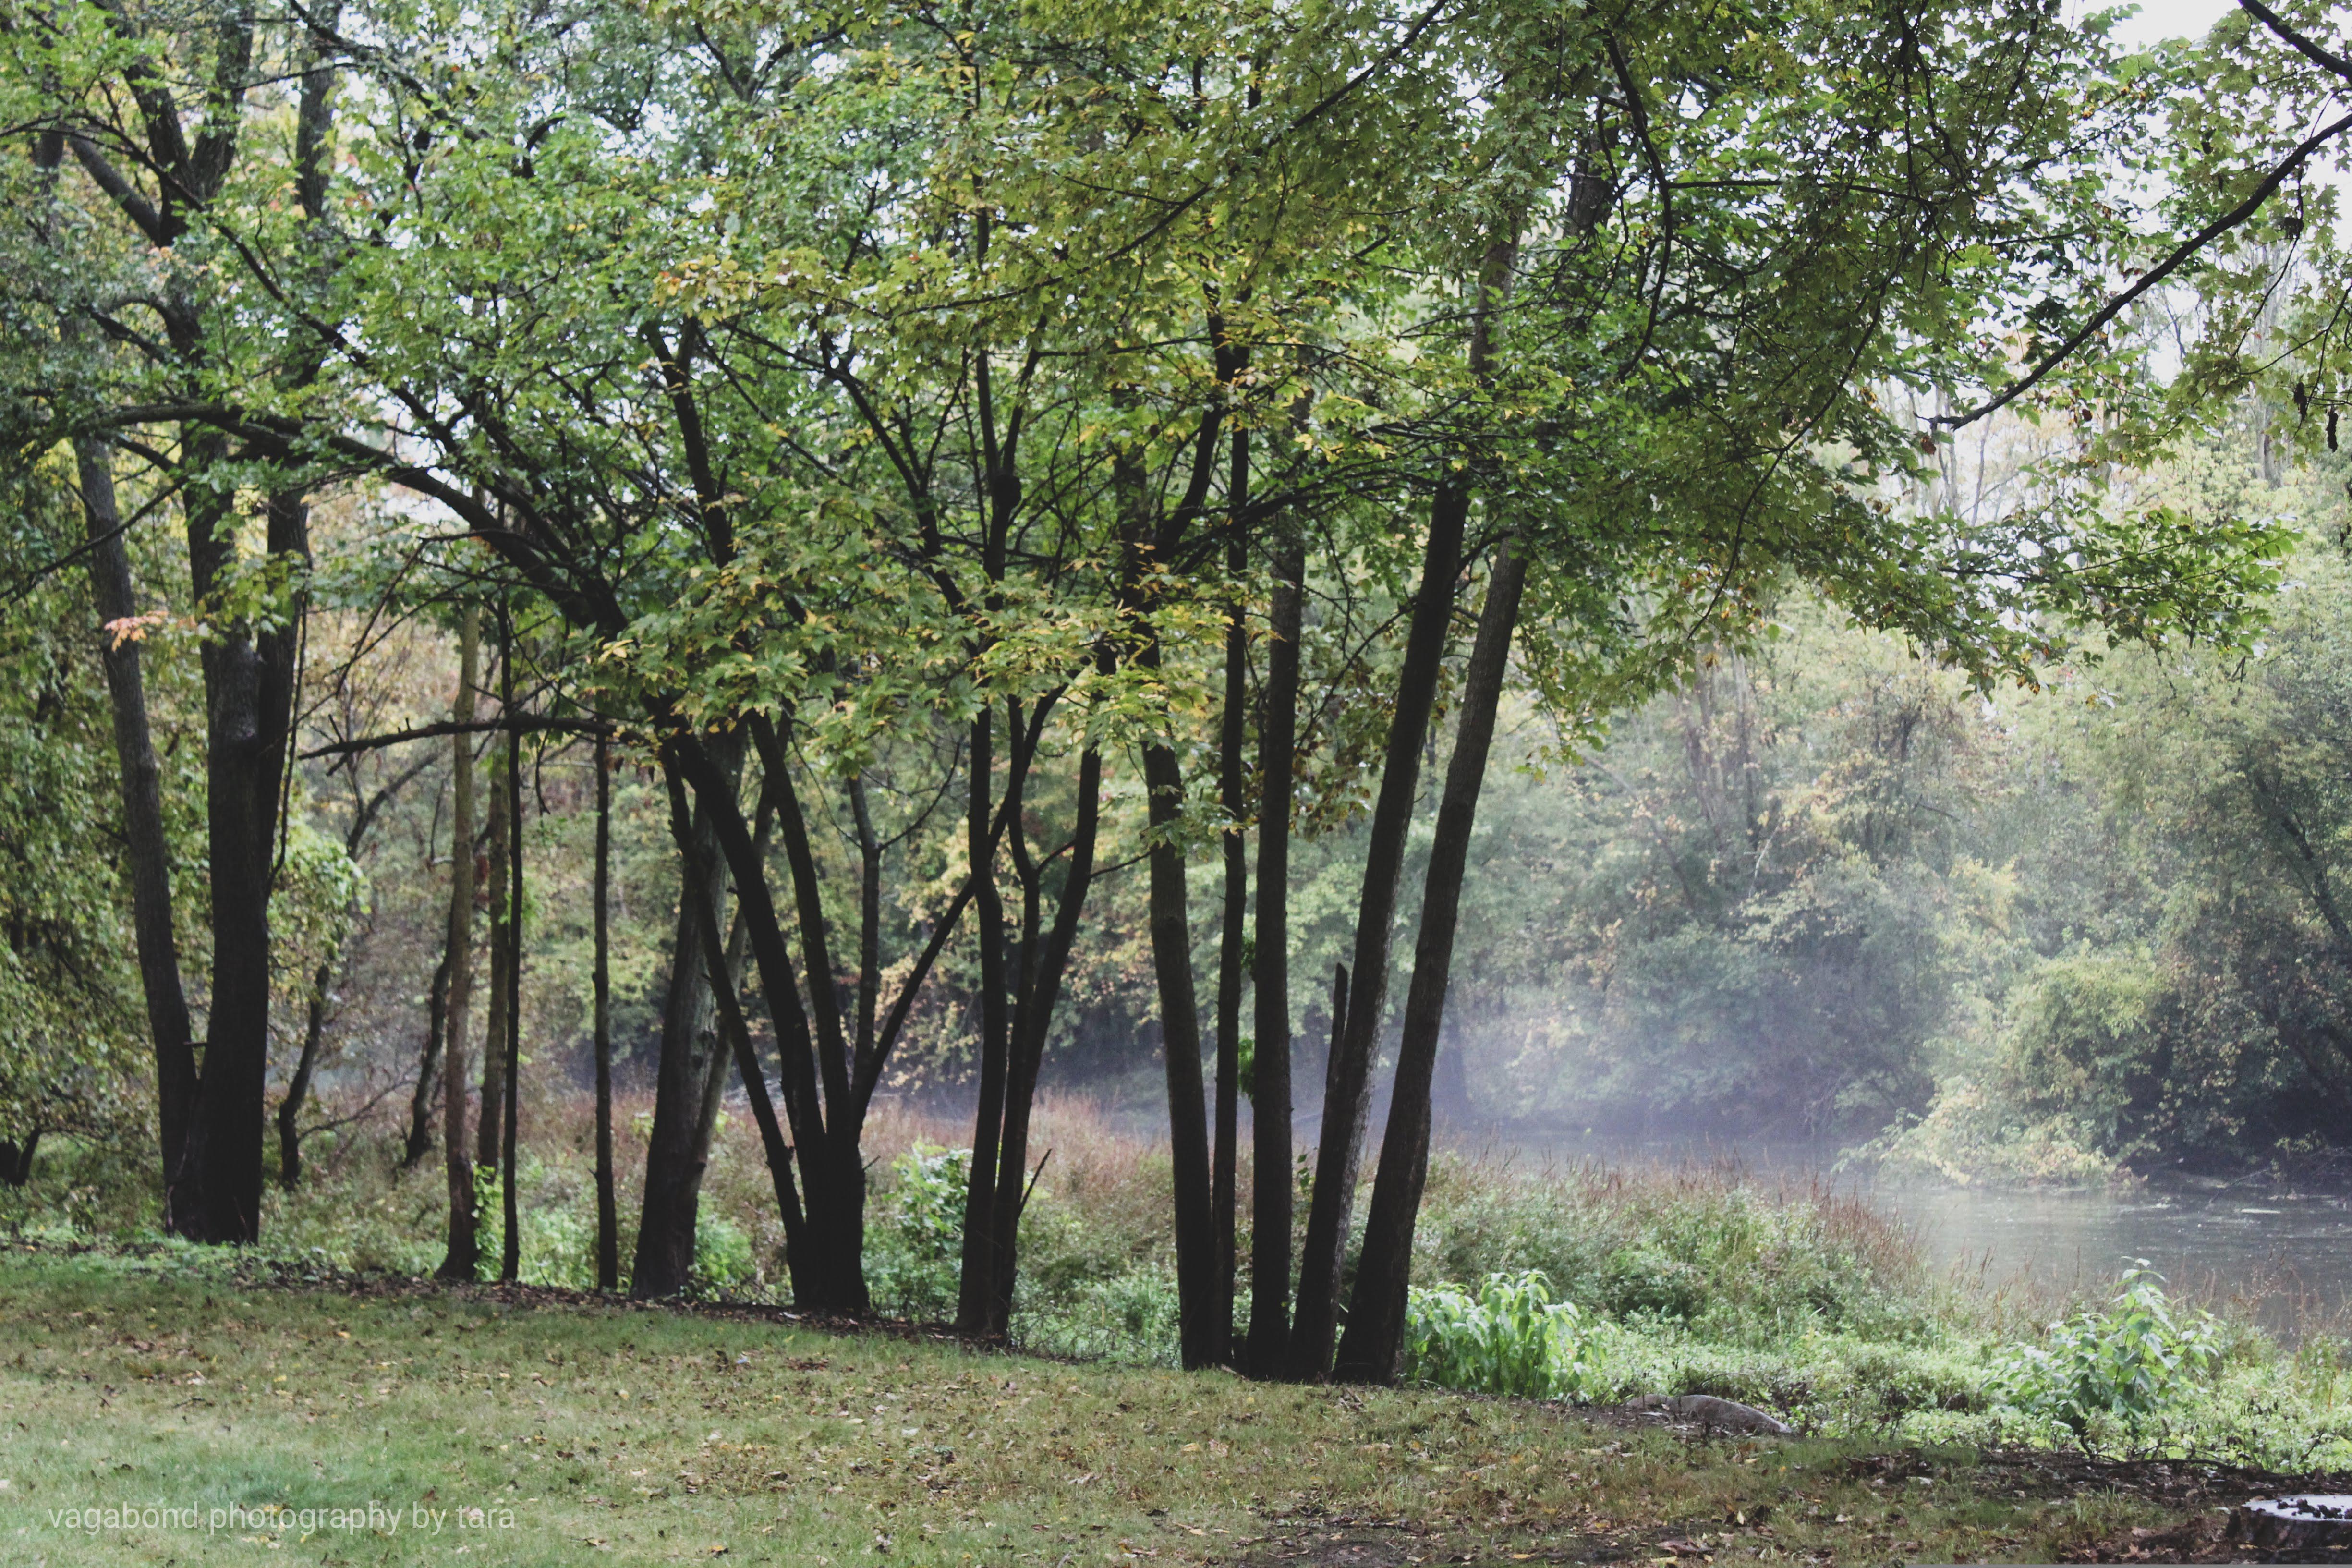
1341, 1541
2205, 1539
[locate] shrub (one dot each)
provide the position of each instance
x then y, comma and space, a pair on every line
914, 1256
1637, 1281
1513, 1337
723, 1263
2127, 1363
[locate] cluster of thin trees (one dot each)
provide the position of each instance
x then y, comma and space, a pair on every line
1164, 415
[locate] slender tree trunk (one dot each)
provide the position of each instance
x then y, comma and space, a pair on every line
1270, 1110
1043, 990
1349, 1075
419, 1142
511, 1254
1368, 1354
608, 1224
463, 1253
488, 1132
298, 1088
973, 1287
832, 1173
1350, 1100
147, 860
1231, 977
772, 1142
1179, 1035
673, 1182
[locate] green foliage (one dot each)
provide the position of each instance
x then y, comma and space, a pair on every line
2128, 1363
914, 1246
1511, 1338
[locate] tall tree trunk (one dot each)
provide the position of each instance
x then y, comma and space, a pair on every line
1368, 1354
419, 1142
1232, 737
663, 1262
1270, 1199
249, 677
1349, 1075
1350, 1098
1179, 1037
1042, 990
608, 1224
511, 1254
463, 1255
973, 1288
489, 1132
147, 860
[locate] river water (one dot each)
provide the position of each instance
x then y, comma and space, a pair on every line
2283, 1254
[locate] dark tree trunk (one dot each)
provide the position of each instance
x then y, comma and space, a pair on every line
1347, 1098
772, 1142
298, 1088
1368, 1354
608, 1223
147, 857
973, 1287
1270, 1097
511, 1254
1040, 991
463, 1255
673, 1182
1180, 1039
419, 1142
489, 1132
16, 1158
249, 695
827, 1125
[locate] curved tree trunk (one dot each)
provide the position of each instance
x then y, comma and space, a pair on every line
1348, 1099
1376, 1309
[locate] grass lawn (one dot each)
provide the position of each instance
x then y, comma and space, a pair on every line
587, 1431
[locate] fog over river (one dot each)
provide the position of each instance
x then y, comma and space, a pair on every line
2284, 1250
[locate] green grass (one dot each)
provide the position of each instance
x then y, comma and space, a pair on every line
590, 1431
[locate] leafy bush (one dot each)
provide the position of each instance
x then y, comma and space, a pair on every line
2127, 1363
914, 1256
723, 1262
1129, 1317
1512, 1339
1638, 1281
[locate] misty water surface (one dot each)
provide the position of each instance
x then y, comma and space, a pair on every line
2285, 1252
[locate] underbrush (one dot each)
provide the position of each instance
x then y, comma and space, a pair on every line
1587, 1284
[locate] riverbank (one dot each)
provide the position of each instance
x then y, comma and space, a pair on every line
1778, 1292
529, 1428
